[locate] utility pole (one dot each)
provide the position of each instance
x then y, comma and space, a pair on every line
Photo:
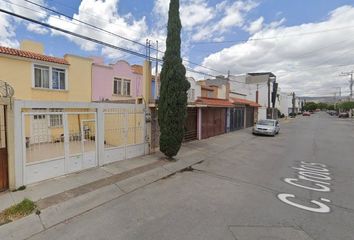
351, 82
293, 103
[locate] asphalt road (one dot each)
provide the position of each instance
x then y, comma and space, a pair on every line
234, 194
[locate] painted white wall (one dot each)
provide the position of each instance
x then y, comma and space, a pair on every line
222, 92
282, 103
238, 86
197, 90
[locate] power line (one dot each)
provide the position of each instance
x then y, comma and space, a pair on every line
85, 23
76, 34
275, 37
92, 39
101, 42
114, 34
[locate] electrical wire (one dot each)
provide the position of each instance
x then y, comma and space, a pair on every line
114, 34
120, 48
275, 37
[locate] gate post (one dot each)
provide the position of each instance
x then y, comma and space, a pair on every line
100, 134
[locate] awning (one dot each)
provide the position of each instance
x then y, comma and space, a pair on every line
244, 102
214, 102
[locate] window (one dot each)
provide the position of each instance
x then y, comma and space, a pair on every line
117, 88
57, 119
58, 81
121, 87
210, 94
126, 89
49, 77
41, 76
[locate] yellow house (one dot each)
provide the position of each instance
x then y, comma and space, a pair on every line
35, 76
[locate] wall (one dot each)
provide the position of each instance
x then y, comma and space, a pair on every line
103, 76
196, 87
18, 72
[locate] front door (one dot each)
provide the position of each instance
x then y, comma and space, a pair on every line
4, 183
40, 130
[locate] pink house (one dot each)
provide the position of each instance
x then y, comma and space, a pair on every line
119, 81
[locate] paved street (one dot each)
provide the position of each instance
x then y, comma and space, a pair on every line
234, 193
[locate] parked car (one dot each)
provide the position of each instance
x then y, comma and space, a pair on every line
332, 113
306, 114
292, 115
343, 115
266, 127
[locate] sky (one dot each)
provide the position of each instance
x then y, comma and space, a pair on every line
306, 44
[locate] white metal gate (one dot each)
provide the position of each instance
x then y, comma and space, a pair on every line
70, 144
39, 128
124, 133
74, 137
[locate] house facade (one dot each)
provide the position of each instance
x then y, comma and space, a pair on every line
35, 76
214, 117
255, 87
118, 81
52, 126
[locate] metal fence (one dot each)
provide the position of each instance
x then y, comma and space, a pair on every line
58, 141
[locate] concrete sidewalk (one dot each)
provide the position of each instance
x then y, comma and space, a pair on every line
63, 198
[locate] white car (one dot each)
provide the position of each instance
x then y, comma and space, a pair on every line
266, 127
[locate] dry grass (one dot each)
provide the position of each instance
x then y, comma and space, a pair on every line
17, 211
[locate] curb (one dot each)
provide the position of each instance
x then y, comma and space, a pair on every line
63, 211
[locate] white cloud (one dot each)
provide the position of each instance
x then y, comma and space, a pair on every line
255, 26
304, 62
8, 24
90, 11
7, 32
226, 16
32, 27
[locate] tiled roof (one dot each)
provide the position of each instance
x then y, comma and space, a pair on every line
244, 101
214, 102
31, 55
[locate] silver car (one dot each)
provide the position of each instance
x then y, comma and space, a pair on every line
266, 127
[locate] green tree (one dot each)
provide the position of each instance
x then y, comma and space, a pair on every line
346, 105
322, 106
330, 107
172, 110
310, 106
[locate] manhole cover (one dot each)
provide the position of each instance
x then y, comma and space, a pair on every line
268, 233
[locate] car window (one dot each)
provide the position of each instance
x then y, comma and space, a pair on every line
266, 122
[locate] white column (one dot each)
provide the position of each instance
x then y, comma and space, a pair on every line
199, 126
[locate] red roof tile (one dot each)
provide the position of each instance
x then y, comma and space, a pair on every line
214, 102
31, 55
244, 101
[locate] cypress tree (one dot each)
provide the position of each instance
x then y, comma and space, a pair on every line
172, 110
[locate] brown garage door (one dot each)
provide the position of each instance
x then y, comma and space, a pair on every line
213, 122
191, 125
3, 150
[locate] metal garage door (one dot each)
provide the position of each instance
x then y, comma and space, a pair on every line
191, 125
213, 122
249, 117
236, 119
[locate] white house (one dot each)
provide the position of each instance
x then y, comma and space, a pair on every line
195, 91
282, 102
248, 85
